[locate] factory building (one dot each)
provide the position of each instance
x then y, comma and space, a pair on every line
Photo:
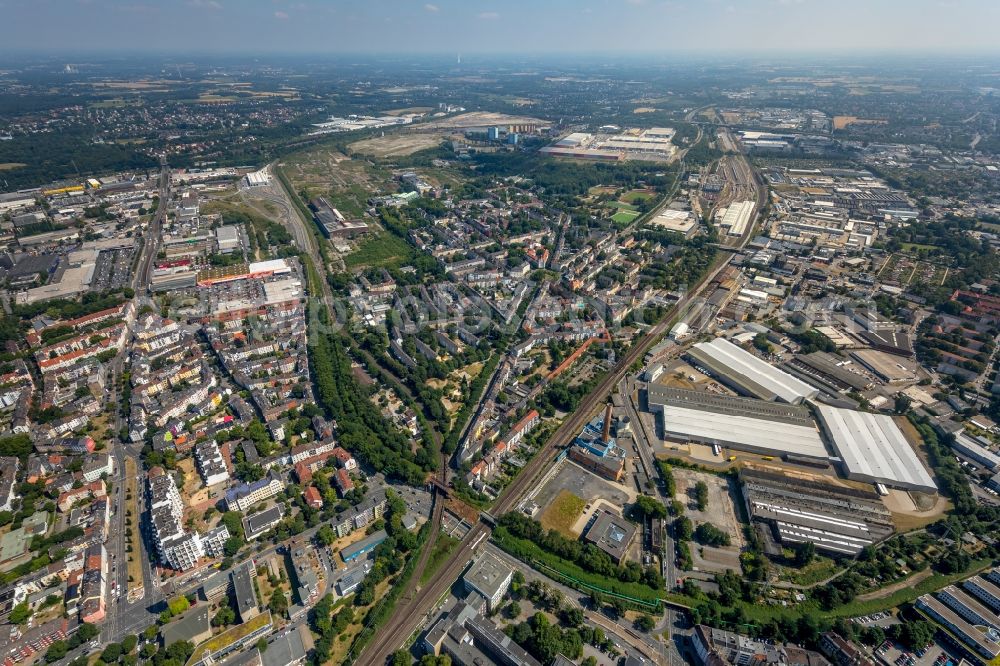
257, 179
227, 238
737, 217
872, 448
678, 221
971, 448
594, 449
332, 223
747, 373
745, 424
837, 520
827, 373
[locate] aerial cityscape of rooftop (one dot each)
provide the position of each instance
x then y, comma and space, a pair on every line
597, 333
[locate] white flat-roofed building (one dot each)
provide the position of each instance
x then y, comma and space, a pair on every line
742, 432
280, 291
574, 139
227, 238
489, 577
677, 221
737, 217
970, 448
660, 133
755, 426
273, 266
872, 448
753, 296
257, 178
749, 374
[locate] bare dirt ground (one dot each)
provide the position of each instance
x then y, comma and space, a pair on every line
397, 145
410, 109
325, 170
895, 587
720, 511
587, 486
908, 515
483, 119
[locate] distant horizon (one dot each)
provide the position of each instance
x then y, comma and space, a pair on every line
856, 57
502, 27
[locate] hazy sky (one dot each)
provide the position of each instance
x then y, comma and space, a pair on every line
468, 26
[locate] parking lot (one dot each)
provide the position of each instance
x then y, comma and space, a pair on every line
586, 486
936, 654
113, 269
882, 619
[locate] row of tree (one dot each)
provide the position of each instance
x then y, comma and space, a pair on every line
586, 556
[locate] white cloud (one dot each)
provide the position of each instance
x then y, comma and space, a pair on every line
489, 16
431, 8
205, 4
280, 15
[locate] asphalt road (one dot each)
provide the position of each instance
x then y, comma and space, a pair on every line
399, 628
407, 620
152, 236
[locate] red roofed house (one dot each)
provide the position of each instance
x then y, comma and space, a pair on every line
313, 497
344, 483
344, 458
70, 497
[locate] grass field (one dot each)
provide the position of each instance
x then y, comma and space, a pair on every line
442, 549
397, 145
624, 216
761, 612
570, 573
917, 246
563, 513
601, 189
133, 538
620, 205
819, 569
636, 195
382, 249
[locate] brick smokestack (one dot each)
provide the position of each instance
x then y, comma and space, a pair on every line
606, 436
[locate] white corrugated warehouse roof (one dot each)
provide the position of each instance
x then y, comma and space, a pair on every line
758, 371
874, 449
737, 216
275, 265
742, 432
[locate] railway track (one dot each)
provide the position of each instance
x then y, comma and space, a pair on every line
423, 602
407, 619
